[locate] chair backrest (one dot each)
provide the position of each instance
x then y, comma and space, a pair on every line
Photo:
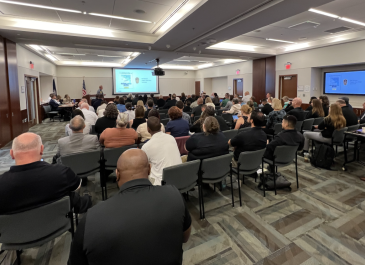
243, 129
92, 129
298, 127
163, 111
180, 141
278, 128
219, 113
163, 116
285, 154
353, 128
111, 155
318, 121
251, 160
216, 167
307, 125
35, 224
230, 133
182, 176
227, 117
165, 121
82, 163
338, 136
47, 109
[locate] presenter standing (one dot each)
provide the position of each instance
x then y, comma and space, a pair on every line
100, 91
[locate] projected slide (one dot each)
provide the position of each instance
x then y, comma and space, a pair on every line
134, 81
350, 83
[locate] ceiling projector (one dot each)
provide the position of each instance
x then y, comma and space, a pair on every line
158, 71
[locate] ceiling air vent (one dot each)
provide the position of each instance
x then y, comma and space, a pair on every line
305, 25
337, 30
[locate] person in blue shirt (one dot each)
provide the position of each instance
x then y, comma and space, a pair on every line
121, 105
177, 127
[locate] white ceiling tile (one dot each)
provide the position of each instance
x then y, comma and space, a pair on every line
163, 2
90, 51
36, 2
90, 6
117, 53
29, 12
61, 49
131, 26
85, 20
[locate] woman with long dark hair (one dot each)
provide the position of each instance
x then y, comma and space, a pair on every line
317, 109
325, 104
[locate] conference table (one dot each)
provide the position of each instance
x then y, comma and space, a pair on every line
360, 137
68, 109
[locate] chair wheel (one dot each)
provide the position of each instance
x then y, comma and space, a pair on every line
344, 168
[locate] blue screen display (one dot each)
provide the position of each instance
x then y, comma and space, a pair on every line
349, 83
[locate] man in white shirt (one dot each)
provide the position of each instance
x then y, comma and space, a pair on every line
161, 150
246, 98
90, 116
83, 100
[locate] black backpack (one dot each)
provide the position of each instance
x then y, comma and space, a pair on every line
323, 156
281, 182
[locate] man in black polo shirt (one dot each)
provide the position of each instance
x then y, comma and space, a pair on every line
141, 224
349, 114
171, 102
267, 107
252, 139
32, 183
297, 110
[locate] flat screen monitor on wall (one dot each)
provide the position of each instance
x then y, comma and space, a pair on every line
344, 83
135, 81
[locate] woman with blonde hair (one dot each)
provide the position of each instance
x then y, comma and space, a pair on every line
274, 117
67, 99
244, 119
317, 109
209, 102
140, 103
334, 121
119, 136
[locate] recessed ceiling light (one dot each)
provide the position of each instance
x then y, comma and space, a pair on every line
116, 17
232, 47
297, 46
36, 47
352, 21
65, 53
204, 65
40, 6
135, 54
323, 13
50, 57
177, 67
279, 40
112, 56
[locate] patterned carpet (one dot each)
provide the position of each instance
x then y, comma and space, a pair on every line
321, 223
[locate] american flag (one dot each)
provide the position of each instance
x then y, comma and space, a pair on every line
83, 88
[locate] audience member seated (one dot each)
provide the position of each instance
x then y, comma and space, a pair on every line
348, 113
108, 120
208, 144
215, 99
246, 97
116, 100
161, 102
250, 139
187, 106
140, 103
129, 111
266, 109
235, 108
135, 100
316, 111
55, 105
310, 107
77, 142
87, 128
149, 224
269, 100
119, 136
362, 117
194, 102
225, 100
190, 98
149, 107
100, 110
162, 150
121, 105
254, 103
177, 126
67, 99
209, 111
197, 111
209, 102
251, 104
297, 110
276, 116
244, 119
229, 104
185, 116
129, 99
32, 183
171, 102
289, 136
139, 119
99, 100
183, 97
59, 99
84, 100
286, 102
346, 99
152, 96
90, 116
325, 104
142, 129
334, 121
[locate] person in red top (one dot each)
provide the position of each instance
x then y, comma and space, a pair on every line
119, 136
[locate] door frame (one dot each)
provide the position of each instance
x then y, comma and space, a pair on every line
281, 77
36, 97
235, 86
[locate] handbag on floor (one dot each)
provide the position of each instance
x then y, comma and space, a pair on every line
323, 156
281, 182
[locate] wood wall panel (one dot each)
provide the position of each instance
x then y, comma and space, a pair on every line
5, 120
259, 79
270, 75
12, 74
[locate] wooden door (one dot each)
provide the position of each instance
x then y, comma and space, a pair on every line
238, 87
288, 86
197, 88
5, 114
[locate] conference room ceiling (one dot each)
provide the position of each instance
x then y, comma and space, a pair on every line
179, 29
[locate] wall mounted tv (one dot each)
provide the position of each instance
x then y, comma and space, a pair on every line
344, 83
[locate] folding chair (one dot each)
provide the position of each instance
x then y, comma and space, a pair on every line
165, 121
307, 125
298, 126
318, 121
35, 227
163, 116
230, 133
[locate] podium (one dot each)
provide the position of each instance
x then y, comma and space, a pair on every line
89, 97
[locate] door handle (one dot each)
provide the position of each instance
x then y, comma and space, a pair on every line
12, 114
7, 115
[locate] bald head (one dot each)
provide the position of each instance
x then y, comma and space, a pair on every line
297, 102
132, 164
27, 148
84, 106
77, 124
